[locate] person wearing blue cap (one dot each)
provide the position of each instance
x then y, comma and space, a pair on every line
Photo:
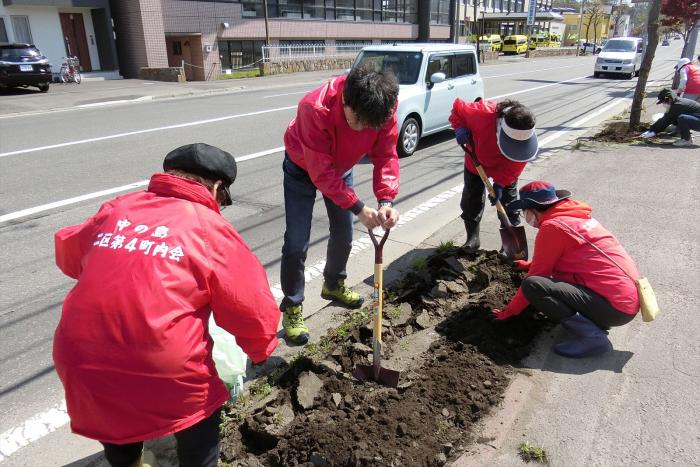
502, 136
579, 275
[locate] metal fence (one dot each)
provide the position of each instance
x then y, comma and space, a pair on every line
309, 51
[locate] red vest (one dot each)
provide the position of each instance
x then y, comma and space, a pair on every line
585, 266
693, 84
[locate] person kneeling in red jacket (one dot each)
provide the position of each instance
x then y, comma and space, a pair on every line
579, 275
132, 347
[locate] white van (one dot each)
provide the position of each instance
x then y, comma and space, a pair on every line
431, 77
620, 55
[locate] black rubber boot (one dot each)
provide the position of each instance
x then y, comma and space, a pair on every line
473, 242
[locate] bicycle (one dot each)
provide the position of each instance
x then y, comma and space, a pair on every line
70, 71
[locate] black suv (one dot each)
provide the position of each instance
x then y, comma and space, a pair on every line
23, 65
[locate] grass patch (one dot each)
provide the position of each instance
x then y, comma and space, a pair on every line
236, 74
531, 453
420, 264
444, 247
260, 390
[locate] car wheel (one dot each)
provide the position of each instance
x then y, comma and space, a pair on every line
596, 74
636, 73
408, 137
44, 87
630, 75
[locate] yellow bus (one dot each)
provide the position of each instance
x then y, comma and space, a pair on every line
494, 40
514, 44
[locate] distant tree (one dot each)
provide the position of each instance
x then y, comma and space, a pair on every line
652, 42
639, 14
594, 15
680, 16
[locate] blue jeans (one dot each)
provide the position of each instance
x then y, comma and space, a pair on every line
299, 198
687, 123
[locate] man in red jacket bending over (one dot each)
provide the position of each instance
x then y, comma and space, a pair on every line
132, 347
335, 127
579, 275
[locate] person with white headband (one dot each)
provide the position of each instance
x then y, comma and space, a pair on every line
689, 84
502, 136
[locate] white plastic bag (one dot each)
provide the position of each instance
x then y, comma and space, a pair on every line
229, 359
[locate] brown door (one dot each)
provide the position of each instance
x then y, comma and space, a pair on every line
75, 39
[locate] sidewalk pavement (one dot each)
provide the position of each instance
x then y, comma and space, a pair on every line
90, 93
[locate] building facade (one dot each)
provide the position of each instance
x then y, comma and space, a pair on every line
61, 28
207, 35
505, 17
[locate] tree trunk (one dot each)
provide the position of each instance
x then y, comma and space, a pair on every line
652, 42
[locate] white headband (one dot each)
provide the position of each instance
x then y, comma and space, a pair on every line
514, 133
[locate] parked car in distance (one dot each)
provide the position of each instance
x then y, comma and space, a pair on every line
431, 77
621, 55
516, 44
665, 43
23, 65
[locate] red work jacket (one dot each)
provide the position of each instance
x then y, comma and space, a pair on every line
132, 348
480, 119
563, 255
320, 141
693, 84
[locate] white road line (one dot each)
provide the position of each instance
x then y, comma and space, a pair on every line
287, 94
536, 88
534, 71
148, 130
46, 422
120, 101
98, 194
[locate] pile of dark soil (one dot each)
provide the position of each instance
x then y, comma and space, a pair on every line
619, 132
319, 415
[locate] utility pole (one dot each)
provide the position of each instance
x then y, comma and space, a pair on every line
580, 25
476, 33
267, 26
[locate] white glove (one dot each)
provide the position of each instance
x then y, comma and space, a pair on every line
648, 134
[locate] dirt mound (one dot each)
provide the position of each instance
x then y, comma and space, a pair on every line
619, 132
320, 416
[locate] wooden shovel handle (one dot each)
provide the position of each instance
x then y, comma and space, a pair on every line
489, 187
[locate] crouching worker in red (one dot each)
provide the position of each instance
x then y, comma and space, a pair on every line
132, 347
579, 275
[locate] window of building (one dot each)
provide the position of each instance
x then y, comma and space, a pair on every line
3, 31
364, 9
177, 48
290, 8
440, 11
237, 54
314, 9
411, 8
345, 10
463, 64
23, 33
252, 8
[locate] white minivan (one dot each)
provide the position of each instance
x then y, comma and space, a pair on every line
431, 77
620, 55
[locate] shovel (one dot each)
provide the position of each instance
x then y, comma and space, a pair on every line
375, 372
513, 238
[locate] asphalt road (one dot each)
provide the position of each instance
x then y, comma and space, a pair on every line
56, 156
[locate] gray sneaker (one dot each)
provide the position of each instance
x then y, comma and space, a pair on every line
683, 143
